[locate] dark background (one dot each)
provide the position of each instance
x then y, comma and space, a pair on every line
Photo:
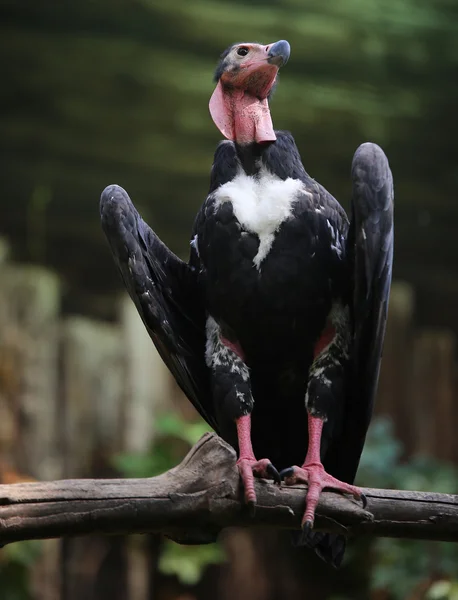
99, 92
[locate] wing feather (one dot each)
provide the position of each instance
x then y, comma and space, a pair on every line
166, 293
370, 254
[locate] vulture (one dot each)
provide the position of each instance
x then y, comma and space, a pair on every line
274, 328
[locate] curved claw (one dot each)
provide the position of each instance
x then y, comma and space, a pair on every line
314, 475
250, 468
274, 474
307, 525
288, 472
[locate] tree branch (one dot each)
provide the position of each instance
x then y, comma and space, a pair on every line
202, 495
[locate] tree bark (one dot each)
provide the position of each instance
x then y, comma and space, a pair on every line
195, 500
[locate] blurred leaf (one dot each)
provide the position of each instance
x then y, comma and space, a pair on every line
443, 590
172, 424
189, 562
139, 465
381, 455
402, 565
15, 563
23, 553
174, 438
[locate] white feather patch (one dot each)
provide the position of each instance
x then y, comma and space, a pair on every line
194, 244
261, 204
218, 354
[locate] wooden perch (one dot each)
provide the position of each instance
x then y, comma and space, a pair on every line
202, 495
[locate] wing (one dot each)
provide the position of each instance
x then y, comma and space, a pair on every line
166, 293
370, 255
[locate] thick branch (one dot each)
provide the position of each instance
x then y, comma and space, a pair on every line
196, 499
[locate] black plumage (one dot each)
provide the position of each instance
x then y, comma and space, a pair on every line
165, 291
242, 325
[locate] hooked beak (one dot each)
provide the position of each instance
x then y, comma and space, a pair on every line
258, 73
278, 53
239, 105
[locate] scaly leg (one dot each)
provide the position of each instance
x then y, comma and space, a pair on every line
247, 463
232, 395
324, 399
312, 472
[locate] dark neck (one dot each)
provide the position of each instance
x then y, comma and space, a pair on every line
251, 156
281, 158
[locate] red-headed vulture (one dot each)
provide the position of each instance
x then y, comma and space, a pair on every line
274, 328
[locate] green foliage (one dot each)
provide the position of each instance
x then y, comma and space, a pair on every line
402, 566
15, 563
22, 553
170, 424
189, 562
119, 92
174, 438
382, 465
443, 590
380, 457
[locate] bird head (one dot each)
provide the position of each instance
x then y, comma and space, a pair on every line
245, 76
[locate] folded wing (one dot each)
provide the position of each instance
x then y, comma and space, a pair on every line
370, 252
165, 291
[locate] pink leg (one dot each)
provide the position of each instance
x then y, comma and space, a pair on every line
312, 472
247, 463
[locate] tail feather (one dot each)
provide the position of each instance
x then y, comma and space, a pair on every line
328, 546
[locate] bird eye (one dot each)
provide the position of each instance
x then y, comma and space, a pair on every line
243, 51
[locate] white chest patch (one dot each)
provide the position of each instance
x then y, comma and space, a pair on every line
261, 204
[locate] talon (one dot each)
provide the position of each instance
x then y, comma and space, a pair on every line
285, 473
274, 474
317, 479
249, 468
251, 508
307, 526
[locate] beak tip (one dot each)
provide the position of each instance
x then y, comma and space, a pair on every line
279, 53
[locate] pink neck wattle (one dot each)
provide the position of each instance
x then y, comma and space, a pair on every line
241, 117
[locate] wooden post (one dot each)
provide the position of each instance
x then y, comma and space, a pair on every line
396, 363
148, 381
29, 311
148, 389
93, 375
29, 440
431, 394
92, 386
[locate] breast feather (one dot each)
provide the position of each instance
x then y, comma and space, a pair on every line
261, 204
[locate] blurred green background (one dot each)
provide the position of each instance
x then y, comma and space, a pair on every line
98, 92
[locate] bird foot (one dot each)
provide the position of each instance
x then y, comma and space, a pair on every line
317, 479
248, 469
